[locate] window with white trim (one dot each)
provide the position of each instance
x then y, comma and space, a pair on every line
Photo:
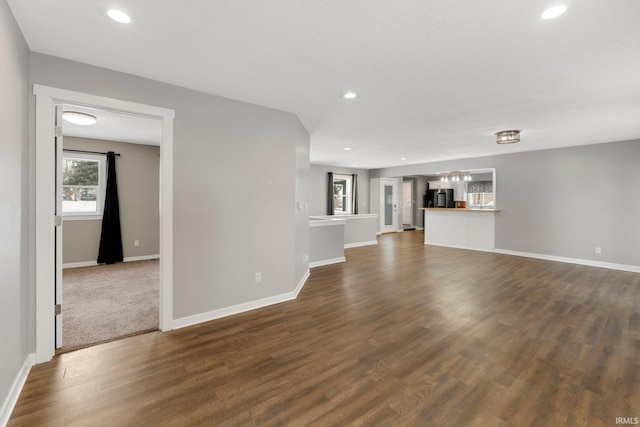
83, 186
342, 194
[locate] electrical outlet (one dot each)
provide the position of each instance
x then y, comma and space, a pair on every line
136, 243
598, 251
258, 277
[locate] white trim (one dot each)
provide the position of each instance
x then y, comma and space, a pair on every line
240, 308
46, 98
587, 262
94, 263
327, 262
358, 244
302, 282
461, 247
419, 228
326, 222
345, 216
14, 392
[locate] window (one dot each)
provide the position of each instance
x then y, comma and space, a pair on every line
83, 186
342, 194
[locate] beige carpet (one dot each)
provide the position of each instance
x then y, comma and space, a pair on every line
106, 302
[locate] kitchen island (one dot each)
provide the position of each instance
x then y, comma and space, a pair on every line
466, 228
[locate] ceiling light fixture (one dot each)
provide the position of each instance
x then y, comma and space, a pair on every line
347, 148
349, 95
456, 176
119, 16
508, 136
403, 158
554, 12
77, 118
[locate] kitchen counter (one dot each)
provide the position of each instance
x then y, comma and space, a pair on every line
461, 209
467, 228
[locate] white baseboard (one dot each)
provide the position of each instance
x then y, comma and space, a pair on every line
419, 228
304, 279
327, 262
358, 244
94, 263
240, 308
16, 388
587, 262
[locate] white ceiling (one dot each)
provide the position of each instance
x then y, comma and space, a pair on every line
435, 79
115, 126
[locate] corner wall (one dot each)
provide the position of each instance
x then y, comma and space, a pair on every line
234, 186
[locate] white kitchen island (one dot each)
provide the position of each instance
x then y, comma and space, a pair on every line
460, 228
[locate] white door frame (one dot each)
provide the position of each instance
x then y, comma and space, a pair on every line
394, 216
46, 98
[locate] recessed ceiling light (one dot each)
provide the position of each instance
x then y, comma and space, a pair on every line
554, 12
78, 118
349, 95
119, 16
347, 148
403, 158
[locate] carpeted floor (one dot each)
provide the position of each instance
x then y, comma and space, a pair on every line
106, 302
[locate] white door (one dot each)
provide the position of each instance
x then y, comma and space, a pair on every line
388, 205
58, 227
407, 203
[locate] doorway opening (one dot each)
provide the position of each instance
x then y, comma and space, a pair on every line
105, 302
48, 248
408, 205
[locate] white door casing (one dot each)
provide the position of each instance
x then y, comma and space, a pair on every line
45, 208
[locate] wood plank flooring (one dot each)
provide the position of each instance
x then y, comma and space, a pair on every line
402, 334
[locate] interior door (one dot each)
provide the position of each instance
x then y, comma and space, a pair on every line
58, 226
388, 205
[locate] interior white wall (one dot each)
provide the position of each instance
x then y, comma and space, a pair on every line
235, 175
16, 335
562, 202
318, 188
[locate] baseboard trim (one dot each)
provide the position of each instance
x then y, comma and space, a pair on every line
461, 247
358, 244
94, 263
302, 282
16, 388
327, 262
240, 308
587, 262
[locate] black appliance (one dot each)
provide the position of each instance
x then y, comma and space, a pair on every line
444, 198
430, 199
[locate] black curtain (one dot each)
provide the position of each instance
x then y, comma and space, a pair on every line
330, 195
111, 238
354, 193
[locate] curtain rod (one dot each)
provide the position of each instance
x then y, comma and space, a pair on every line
90, 152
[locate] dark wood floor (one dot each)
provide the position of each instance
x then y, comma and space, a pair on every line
401, 334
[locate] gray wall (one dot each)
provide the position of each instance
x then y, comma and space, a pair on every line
138, 172
236, 172
16, 335
318, 188
561, 202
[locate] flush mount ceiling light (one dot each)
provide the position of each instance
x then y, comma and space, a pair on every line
78, 118
349, 95
347, 148
119, 16
508, 136
554, 12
